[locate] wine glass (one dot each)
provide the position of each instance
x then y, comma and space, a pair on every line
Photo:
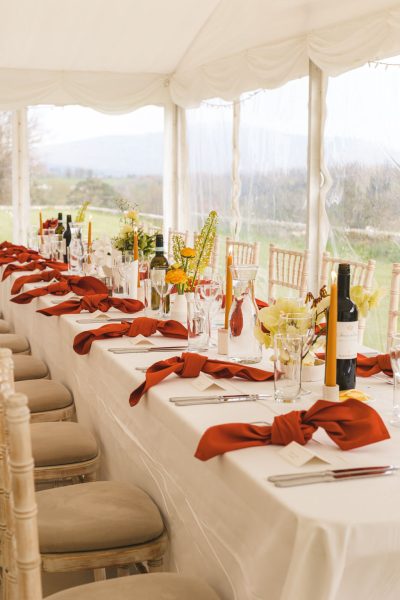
299, 324
208, 292
394, 353
161, 286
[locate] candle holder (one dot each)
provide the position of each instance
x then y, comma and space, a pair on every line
330, 392
223, 340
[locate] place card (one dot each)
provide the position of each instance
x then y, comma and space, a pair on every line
298, 455
98, 314
205, 383
141, 341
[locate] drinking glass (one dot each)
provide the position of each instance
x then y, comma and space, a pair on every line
287, 367
161, 287
394, 353
208, 294
299, 324
198, 335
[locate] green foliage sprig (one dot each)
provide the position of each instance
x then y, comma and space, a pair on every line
204, 246
80, 215
177, 244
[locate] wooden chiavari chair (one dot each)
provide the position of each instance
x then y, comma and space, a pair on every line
394, 302
243, 253
288, 269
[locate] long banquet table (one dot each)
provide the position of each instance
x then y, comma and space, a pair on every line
226, 522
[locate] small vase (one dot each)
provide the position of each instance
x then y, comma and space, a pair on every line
315, 372
179, 309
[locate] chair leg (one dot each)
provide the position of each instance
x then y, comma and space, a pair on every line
99, 574
141, 568
155, 565
123, 571
90, 477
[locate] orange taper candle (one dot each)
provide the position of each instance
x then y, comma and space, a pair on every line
89, 236
135, 246
228, 290
40, 223
330, 359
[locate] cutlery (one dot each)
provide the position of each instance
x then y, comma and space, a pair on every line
138, 350
197, 400
108, 320
327, 476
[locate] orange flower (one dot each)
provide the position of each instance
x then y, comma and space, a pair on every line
176, 276
188, 253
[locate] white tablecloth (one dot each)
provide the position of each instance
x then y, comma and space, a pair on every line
226, 522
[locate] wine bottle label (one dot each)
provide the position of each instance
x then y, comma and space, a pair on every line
347, 339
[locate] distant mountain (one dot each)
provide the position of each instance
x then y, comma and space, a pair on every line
121, 155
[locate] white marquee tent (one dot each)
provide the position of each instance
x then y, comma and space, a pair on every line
119, 56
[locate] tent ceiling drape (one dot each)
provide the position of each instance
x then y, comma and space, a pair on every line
116, 56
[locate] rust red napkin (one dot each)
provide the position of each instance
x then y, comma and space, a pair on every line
92, 303
191, 365
32, 266
371, 365
140, 326
350, 424
74, 283
9, 247
20, 257
35, 278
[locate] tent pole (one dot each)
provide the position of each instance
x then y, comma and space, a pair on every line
170, 171
318, 181
20, 176
183, 217
236, 183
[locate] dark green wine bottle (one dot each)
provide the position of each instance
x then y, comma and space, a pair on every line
60, 226
158, 260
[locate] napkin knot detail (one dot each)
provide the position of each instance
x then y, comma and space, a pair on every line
350, 424
91, 303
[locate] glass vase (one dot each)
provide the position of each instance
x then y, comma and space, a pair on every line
243, 346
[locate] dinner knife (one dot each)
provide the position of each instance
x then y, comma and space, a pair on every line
138, 350
329, 476
285, 476
116, 320
218, 399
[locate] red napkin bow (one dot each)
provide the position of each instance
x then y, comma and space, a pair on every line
20, 257
350, 424
79, 285
190, 365
371, 365
35, 278
32, 266
142, 325
92, 303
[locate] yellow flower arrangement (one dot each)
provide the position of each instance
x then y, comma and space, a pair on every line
365, 301
188, 253
176, 276
126, 229
132, 215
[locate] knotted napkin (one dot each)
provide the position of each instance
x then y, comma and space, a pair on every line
92, 303
35, 278
10, 247
81, 286
32, 266
20, 257
140, 326
371, 365
350, 424
190, 365
366, 366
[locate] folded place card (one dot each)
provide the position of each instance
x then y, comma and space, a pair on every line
98, 314
205, 383
298, 455
141, 340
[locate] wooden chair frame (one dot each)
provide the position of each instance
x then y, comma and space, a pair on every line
289, 269
394, 302
244, 253
50, 416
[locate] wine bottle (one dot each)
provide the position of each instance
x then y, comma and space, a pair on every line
158, 260
60, 226
347, 332
67, 239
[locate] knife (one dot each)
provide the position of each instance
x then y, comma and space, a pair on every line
336, 475
355, 470
152, 349
116, 320
223, 399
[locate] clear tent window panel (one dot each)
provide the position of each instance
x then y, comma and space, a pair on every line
78, 154
209, 142
362, 150
273, 170
6, 175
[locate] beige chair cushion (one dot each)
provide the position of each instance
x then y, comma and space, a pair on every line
96, 516
155, 586
17, 343
61, 443
29, 367
44, 394
4, 326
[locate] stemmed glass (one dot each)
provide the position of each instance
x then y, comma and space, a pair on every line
394, 353
299, 324
209, 293
161, 286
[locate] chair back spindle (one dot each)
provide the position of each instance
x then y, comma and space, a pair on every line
288, 269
